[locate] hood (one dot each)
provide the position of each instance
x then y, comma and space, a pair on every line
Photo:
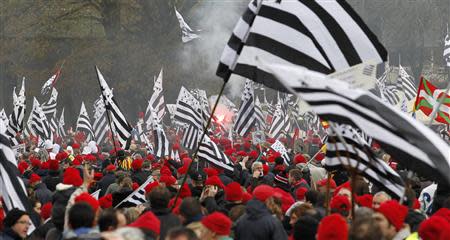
256, 209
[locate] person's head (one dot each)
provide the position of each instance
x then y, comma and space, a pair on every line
81, 215
190, 208
379, 198
18, 221
295, 175
36, 205
365, 229
215, 226
390, 217
181, 233
159, 198
346, 193
108, 220
305, 228
126, 183
299, 211
332, 227
257, 166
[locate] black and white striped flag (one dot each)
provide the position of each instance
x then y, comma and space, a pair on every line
407, 83
446, 53
54, 124
12, 188
322, 35
161, 143
246, 116
408, 141
157, 100
200, 95
260, 118
61, 124
16, 118
280, 120
355, 152
84, 123
187, 34
100, 125
389, 93
137, 197
39, 122
209, 152
4, 117
190, 137
188, 109
49, 107
121, 126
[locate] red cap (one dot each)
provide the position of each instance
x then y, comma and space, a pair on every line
110, 168
332, 227
253, 154
150, 186
300, 193
246, 197
168, 180
394, 212
35, 162
165, 171
53, 165
233, 192
147, 221
87, 198
98, 176
265, 169
215, 181
135, 186
299, 158
182, 170
211, 172
432, 228
365, 200
22, 166
340, 204
45, 165
105, 201
185, 191
75, 146
137, 164
323, 183
72, 177
46, 210
229, 151
150, 157
217, 222
34, 178
320, 157
263, 192
443, 212
247, 145
242, 153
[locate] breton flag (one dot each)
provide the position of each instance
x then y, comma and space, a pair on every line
118, 120
322, 35
190, 137
157, 100
355, 152
202, 98
407, 83
4, 117
15, 123
84, 123
39, 123
49, 107
187, 34
50, 83
137, 197
54, 124
96, 194
246, 116
408, 141
389, 93
161, 148
61, 123
277, 146
260, 119
100, 125
280, 122
209, 152
188, 109
12, 188
447, 49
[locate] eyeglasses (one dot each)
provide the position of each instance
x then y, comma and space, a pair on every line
25, 222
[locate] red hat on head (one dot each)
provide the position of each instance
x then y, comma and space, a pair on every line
165, 171
90, 158
169, 180
432, 228
150, 186
105, 201
87, 198
271, 140
34, 178
340, 204
215, 181
323, 183
61, 156
247, 145
299, 158
263, 192
237, 146
78, 158
229, 151
148, 221
265, 169
365, 200
185, 191
175, 206
300, 193
320, 157
332, 227
98, 176
443, 212
211, 172
45, 165
394, 212
141, 114
76, 162
110, 168
345, 185
53, 165
22, 166
35, 162
217, 222
253, 154
184, 155
375, 146
75, 146
46, 211
187, 161
137, 164
246, 197
242, 153
182, 170
135, 186
72, 177
233, 192
150, 157
286, 199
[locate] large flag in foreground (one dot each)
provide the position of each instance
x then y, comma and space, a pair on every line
118, 120
428, 97
322, 35
408, 141
209, 152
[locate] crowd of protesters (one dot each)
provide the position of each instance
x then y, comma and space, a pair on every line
263, 198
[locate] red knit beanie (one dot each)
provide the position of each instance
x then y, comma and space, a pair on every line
72, 177
323, 183
105, 201
168, 180
53, 165
340, 204
150, 186
210, 172
443, 212
185, 191
300, 193
148, 221
137, 164
46, 211
87, 198
263, 192
34, 178
299, 158
365, 200
217, 222
332, 227
215, 181
394, 212
233, 192
432, 228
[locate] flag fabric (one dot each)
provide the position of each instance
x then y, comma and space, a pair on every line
137, 197
84, 123
96, 194
190, 137
187, 34
188, 109
157, 100
61, 124
355, 152
246, 116
161, 143
407, 83
50, 83
54, 125
210, 153
49, 107
408, 141
322, 35
389, 93
447, 49
120, 124
280, 121
39, 122
200, 95
428, 97
16, 118
260, 118
277, 146
4, 118
100, 126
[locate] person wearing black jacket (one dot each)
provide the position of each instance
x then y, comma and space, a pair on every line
107, 180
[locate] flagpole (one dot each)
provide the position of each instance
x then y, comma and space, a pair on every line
107, 113
194, 156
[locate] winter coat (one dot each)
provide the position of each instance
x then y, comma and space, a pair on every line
259, 224
9, 234
42, 193
104, 183
167, 219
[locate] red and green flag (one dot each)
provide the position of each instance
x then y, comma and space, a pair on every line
427, 99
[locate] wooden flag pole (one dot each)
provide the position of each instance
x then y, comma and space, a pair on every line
194, 155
